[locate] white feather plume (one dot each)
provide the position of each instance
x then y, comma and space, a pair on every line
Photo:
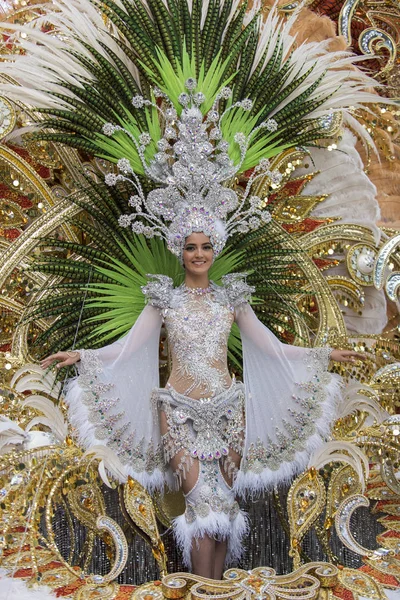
74, 23
109, 461
32, 378
53, 417
17, 588
356, 397
11, 435
340, 451
352, 198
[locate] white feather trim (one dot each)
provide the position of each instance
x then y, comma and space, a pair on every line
253, 484
215, 525
13, 588
79, 418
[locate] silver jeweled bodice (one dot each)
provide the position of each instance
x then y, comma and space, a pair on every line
198, 329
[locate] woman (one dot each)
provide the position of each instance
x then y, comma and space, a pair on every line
220, 438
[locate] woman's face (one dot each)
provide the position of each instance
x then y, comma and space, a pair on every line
197, 254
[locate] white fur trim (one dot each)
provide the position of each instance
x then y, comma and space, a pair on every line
16, 589
79, 417
250, 483
215, 525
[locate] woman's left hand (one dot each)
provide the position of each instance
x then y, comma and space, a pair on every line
347, 356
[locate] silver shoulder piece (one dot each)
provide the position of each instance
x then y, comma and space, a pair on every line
238, 291
159, 291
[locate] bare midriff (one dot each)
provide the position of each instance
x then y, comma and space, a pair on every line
183, 385
198, 331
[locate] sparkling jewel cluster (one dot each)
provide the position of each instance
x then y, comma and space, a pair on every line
190, 168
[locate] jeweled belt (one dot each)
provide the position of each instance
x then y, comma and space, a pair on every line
207, 415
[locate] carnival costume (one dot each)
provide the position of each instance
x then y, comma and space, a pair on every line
187, 139
281, 413
272, 421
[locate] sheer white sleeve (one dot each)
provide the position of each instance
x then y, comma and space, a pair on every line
290, 404
109, 403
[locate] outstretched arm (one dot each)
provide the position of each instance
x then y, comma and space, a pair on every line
291, 401
148, 321
347, 356
251, 328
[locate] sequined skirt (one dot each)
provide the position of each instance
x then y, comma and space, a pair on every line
205, 429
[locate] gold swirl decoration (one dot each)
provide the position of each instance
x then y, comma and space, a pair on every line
343, 483
342, 524
305, 502
43, 481
361, 584
140, 511
87, 504
306, 582
372, 40
385, 254
345, 17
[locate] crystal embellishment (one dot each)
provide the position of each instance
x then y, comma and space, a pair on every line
191, 169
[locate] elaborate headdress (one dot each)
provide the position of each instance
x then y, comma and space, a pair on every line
191, 166
299, 95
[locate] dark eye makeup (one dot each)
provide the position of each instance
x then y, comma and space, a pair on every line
191, 247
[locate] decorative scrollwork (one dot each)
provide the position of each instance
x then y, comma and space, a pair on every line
262, 582
381, 265
342, 523
389, 476
360, 583
343, 483
121, 548
306, 500
345, 17
140, 511
393, 286
373, 37
360, 263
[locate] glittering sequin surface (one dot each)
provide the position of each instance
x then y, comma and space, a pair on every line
198, 329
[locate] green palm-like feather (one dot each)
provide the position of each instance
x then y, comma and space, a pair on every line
171, 78
120, 145
163, 43
122, 300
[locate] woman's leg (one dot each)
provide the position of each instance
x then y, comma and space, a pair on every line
221, 547
220, 555
204, 556
212, 522
203, 549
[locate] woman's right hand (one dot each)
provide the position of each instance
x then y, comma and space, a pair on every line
64, 359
